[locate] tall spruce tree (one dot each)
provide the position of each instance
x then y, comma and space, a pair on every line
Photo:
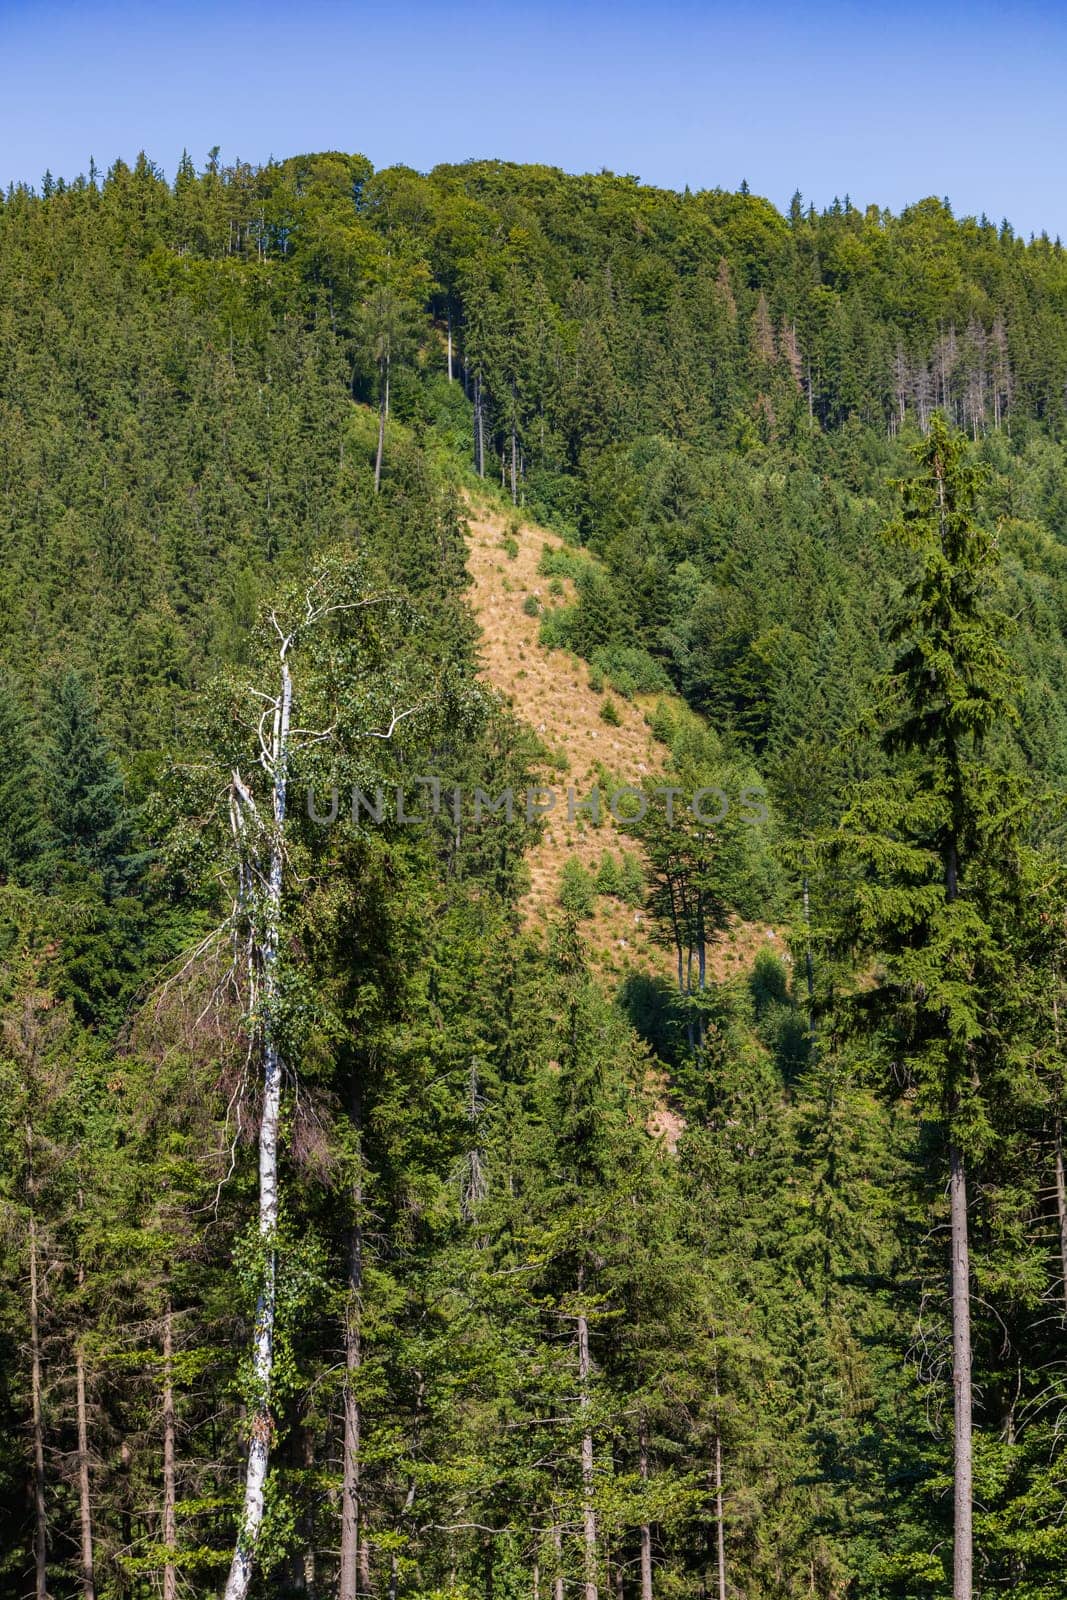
23, 824
929, 844
85, 791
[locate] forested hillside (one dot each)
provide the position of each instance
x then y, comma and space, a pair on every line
361, 1235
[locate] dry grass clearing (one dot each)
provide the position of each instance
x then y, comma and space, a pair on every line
550, 691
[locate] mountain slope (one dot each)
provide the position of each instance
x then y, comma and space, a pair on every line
551, 691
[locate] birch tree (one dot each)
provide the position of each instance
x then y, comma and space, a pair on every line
332, 628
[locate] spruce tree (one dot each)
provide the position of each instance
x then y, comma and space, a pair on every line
23, 825
928, 847
90, 824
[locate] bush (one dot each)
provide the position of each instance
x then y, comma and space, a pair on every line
608, 879
663, 723
557, 627
631, 669
609, 713
780, 1023
577, 891
631, 879
560, 563
532, 606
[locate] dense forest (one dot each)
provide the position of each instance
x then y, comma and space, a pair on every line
341, 1250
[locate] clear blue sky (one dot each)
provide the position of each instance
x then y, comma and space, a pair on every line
884, 102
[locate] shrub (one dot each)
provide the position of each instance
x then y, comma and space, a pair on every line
557, 627
609, 713
631, 879
561, 563
577, 891
532, 606
608, 878
631, 669
662, 723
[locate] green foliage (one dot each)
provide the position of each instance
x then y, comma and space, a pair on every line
577, 889
23, 819
734, 1180
631, 670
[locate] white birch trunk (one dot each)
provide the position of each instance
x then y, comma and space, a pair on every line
353, 1540
963, 1559
646, 1531
85, 1516
588, 1506
262, 1427
170, 1522
85, 1513
40, 1528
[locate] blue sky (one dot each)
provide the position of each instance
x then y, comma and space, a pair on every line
885, 103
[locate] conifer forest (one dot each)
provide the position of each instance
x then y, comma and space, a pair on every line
533, 893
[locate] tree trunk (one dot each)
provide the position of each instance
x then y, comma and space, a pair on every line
262, 1426
646, 1531
383, 412
394, 1564
170, 1522
348, 1586
1061, 1183
588, 1507
720, 1525
40, 1534
479, 427
1061, 1207
809, 965
85, 1515
962, 1574
557, 1546
308, 1569
514, 449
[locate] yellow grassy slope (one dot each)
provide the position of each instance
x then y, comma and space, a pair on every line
550, 691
